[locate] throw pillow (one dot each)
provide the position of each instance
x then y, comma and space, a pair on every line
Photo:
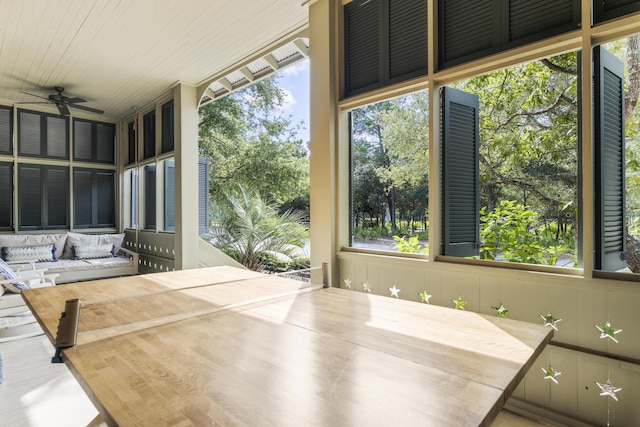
92, 251
43, 253
6, 273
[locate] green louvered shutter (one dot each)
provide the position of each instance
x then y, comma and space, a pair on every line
407, 39
529, 21
6, 195
169, 196
363, 47
149, 197
203, 195
605, 10
460, 138
56, 185
83, 206
6, 130
610, 231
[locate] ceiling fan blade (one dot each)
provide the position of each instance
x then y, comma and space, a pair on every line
82, 107
33, 102
76, 99
63, 109
33, 94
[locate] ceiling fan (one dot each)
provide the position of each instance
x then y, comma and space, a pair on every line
63, 102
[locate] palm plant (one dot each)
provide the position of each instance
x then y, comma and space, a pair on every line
250, 229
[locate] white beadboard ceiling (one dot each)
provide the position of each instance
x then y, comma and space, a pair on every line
118, 54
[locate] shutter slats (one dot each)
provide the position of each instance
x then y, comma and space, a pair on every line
57, 137
29, 196
169, 196
57, 187
363, 45
611, 9
460, 180
29, 136
6, 124
527, 18
610, 231
105, 143
203, 195
81, 140
82, 199
407, 38
105, 198
467, 28
6, 195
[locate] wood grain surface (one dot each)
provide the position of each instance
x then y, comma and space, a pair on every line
313, 357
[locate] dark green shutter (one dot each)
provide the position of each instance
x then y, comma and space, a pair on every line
57, 189
29, 197
105, 142
605, 10
150, 197
169, 196
363, 47
105, 198
134, 198
131, 146
81, 140
149, 134
167, 127
610, 231
407, 39
203, 195
57, 141
29, 133
470, 30
6, 130
460, 173
83, 210
6, 195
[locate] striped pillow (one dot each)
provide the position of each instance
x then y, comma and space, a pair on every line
6, 273
42, 253
92, 251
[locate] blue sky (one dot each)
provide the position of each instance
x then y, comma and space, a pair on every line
294, 80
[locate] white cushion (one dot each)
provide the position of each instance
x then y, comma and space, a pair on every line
92, 239
58, 240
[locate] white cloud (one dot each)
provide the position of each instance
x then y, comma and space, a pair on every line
289, 101
296, 68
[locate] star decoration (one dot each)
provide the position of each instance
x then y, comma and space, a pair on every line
607, 331
501, 311
425, 297
347, 283
366, 287
394, 291
609, 390
549, 320
551, 374
459, 303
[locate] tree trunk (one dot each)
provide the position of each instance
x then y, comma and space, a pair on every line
633, 253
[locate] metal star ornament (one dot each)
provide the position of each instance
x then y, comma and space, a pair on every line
425, 297
394, 291
459, 303
551, 321
347, 283
608, 389
551, 374
501, 310
607, 331
366, 287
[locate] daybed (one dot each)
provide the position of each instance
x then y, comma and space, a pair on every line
73, 256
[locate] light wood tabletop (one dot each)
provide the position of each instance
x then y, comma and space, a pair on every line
258, 350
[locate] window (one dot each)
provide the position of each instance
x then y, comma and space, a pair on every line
42, 135
385, 42
389, 187
93, 141
167, 127
6, 130
510, 164
6, 195
94, 196
43, 197
149, 134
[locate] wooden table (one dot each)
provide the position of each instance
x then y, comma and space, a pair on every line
263, 351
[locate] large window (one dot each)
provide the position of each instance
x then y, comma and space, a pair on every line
389, 151
94, 141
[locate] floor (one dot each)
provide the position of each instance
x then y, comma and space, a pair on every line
36, 392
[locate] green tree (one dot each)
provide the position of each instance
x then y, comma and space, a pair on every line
250, 141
